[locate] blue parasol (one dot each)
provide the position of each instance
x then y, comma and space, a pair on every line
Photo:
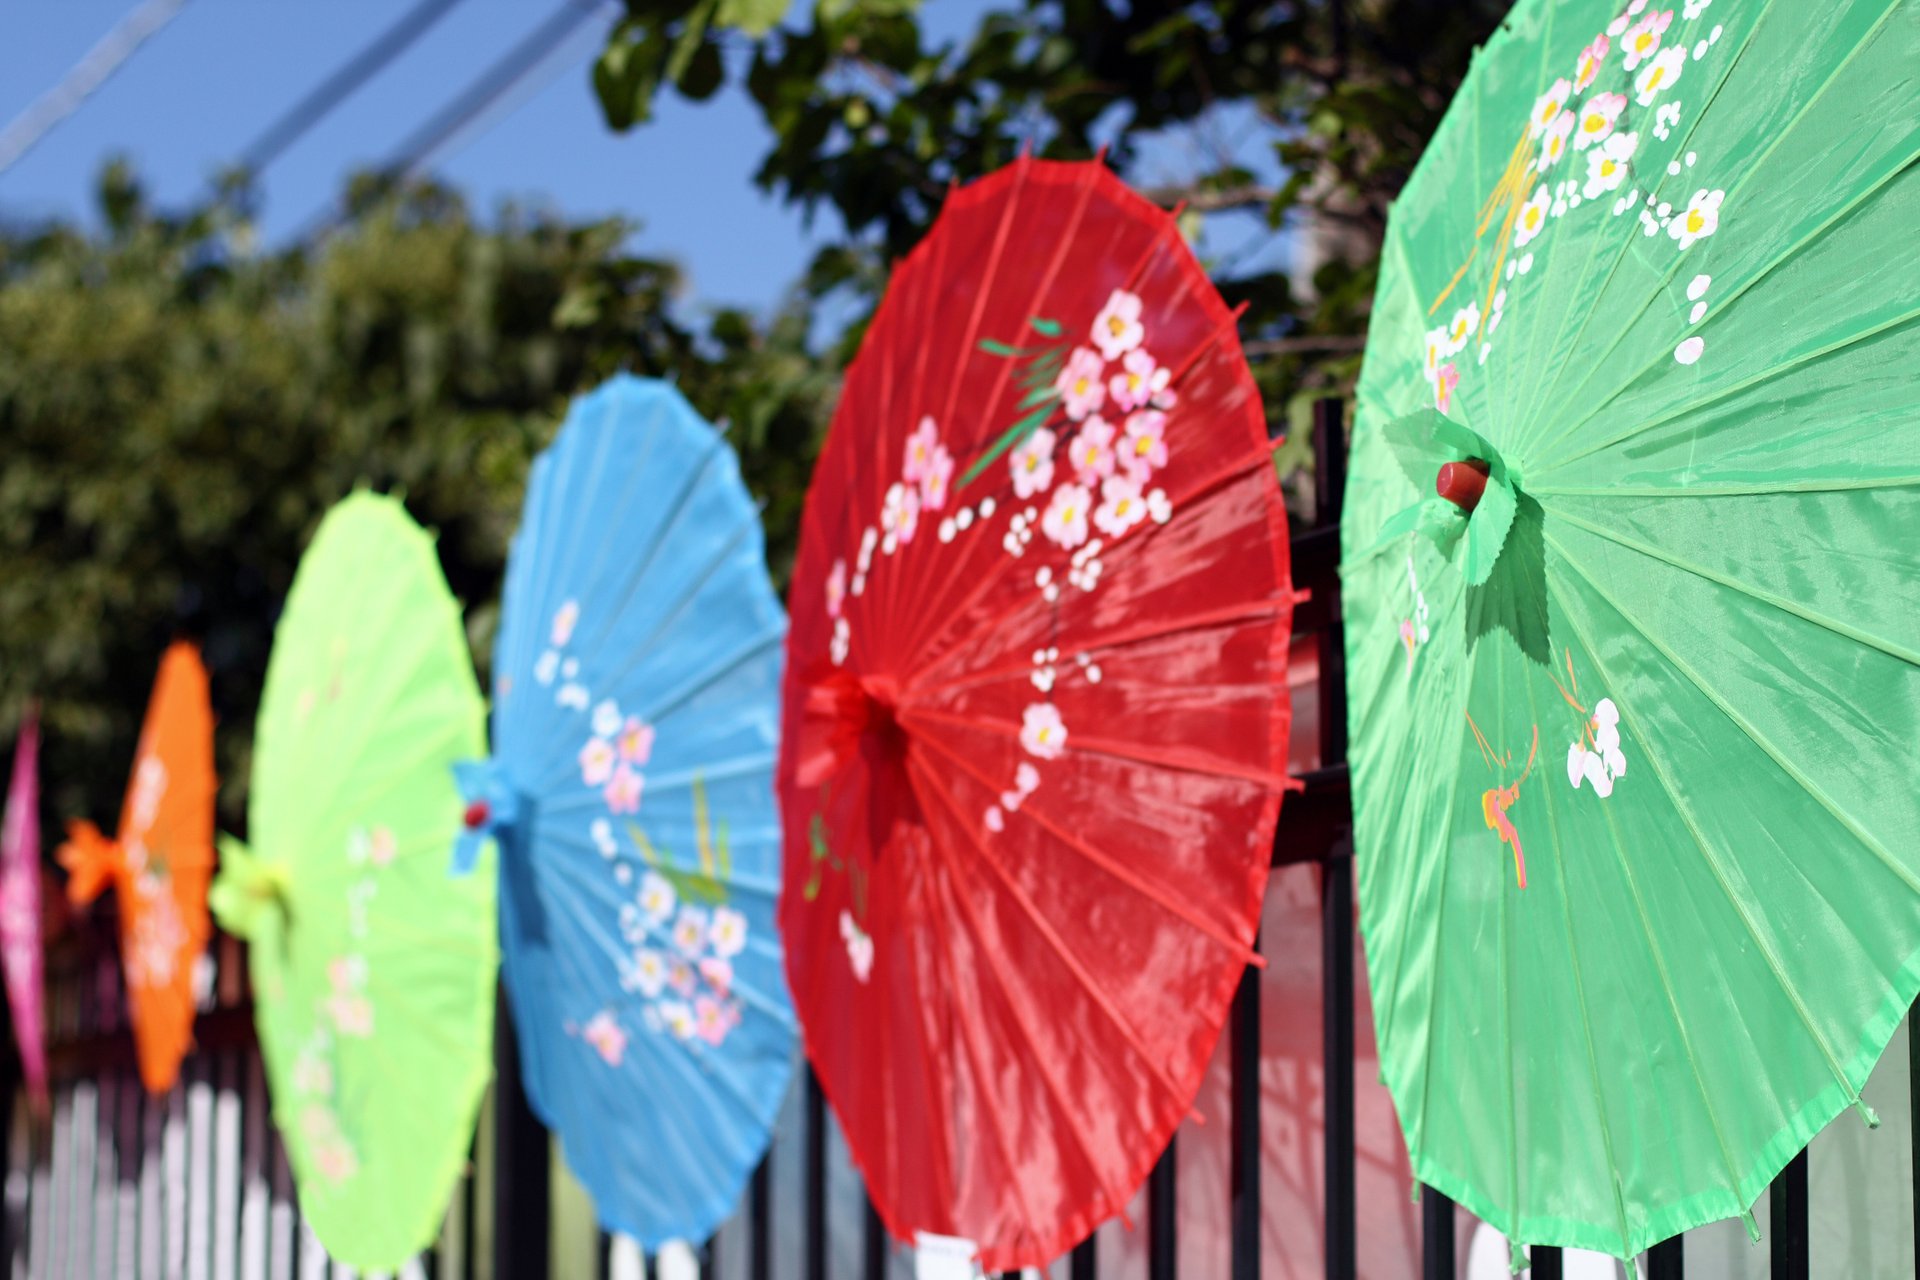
635, 720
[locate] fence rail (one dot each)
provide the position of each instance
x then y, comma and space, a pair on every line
195, 1186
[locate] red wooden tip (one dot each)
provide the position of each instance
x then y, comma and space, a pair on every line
1462, 483
477, 814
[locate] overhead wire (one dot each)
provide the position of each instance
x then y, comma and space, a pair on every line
94, 69
509, 71
303, 115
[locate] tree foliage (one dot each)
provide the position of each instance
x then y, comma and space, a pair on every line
176, 415
873, 119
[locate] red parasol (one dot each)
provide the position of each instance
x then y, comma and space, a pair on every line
1036, 713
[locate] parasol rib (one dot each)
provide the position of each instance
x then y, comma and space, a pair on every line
1058, 945
1688, 819
1118, 870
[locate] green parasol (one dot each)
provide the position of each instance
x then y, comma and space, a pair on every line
373, 970
1634, 744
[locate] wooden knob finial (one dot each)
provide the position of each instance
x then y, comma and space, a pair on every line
1462, 483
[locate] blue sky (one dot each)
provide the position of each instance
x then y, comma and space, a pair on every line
205, 86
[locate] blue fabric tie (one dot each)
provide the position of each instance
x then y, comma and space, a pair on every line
492, 808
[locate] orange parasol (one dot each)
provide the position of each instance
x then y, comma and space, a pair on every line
160, 865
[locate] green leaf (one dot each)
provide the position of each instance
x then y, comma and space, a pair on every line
705, 74
1013, 436
1051, 328
691, 37
754, 17
993, 348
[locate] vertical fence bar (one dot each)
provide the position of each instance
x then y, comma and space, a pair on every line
1245, 1087
1336, 883
1437, 1248
1667, 1260
815, 1127
1547, 1262
1084, 1264
1336, 993
1163, 1210
760, 1221
873, 1243
1787, 1213
522, 1194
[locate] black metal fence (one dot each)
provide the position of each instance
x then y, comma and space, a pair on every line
195, 1186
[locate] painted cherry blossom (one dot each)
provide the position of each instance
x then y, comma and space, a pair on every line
606, 718
900, 512
1700, 219
1026, 778
1694, 8
1548, 107
1065, 519
690, 931
936, 480
1081, 390
1627, 15
1592, 58
920, 448
636, 741
859, 946
649, 972
352, 1015
678, 1017
1032, 463
1642, 39
312, 1075
1607, 167
1597, 117
1122, 506
1117, 329
1144, 450
564, 620
1159, 506
1436, 345
597, 759
381, 847
1532, 219
728, 932
1664, 119
1140, 380
842, 641
837, 587
335, 1161
1443, 387
1042, 732
718, 972
1553, 140
604, 1034
657, 897
1602, 764
623, 790
1461, 327
1091, 453
1661, 74
681, 976
710, 1020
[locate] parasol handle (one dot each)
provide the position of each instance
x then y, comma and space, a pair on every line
1462, 483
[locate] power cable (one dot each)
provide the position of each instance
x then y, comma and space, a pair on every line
343, 83
94, 69
508, 71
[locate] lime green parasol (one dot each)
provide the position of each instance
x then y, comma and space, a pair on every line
373, 969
